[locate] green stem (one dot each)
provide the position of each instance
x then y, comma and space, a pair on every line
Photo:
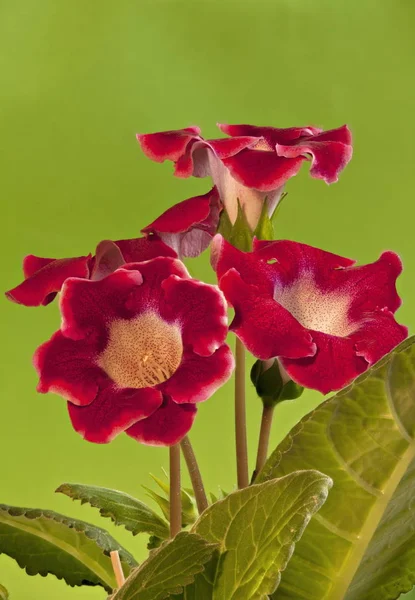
175, 491
240, 417
263, 442
195, 475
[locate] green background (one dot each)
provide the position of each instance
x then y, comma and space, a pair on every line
78, 79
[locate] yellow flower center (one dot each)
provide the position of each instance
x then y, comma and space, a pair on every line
141, 352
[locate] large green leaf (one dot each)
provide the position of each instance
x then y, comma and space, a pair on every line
361, 545
4, 594
43, 542
256, 529
167, 569
121, 508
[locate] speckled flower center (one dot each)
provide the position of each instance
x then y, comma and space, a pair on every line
315, 309
142, 352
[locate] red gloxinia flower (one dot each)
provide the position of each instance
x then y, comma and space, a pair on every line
188, 227
254, 163
136, 351
44, 277
326, 320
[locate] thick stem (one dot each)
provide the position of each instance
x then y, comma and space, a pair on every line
195, 476
264, 433
116, 565
240, 416
175, 491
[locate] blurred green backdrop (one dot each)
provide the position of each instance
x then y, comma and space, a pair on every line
78, 80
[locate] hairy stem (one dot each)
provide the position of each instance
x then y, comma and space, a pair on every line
263, 442
195, 476
240, 416
175, 491
116, 565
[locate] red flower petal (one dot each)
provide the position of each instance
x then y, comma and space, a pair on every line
167, 145
334, 365
189, 225
113, 411
32, 263
108, 258
88, 306
154, 272
42, 285
262, 170
377, 335
200, 309
68, 368
264, 326
331, 151
145, 248
272, 135
198, 377
166, 426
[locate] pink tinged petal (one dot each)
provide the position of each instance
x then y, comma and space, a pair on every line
32, 263
292, 260
224, 256
371, 287
150, 295
265, 327
145, 248
108, 258
334, 365
198, 378
377, 335
41, 287
88, 306
189, 225
272, 135
166, 426
200, 310
330, 151
167, 145
113, 411
262, 170
68, 368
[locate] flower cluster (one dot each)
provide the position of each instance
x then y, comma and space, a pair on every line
141, 342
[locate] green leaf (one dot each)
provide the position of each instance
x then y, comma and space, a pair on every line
168, 569
189, 512
256, 529
241, 234
121, 508
361, 545
225, 225
4, 594
264, 229
43, 542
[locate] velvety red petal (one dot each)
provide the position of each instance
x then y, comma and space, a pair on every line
113, 411
189, 225
224, 256
377, 335
329, 156
108, 258
88, 306
201, 311
198, 378
167, 145
166, 426
370, 287
264, 326
42, 286
150, 294
293, 260
272, 135
144, 248
261, 169
32, 263
67, 367
334, 365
